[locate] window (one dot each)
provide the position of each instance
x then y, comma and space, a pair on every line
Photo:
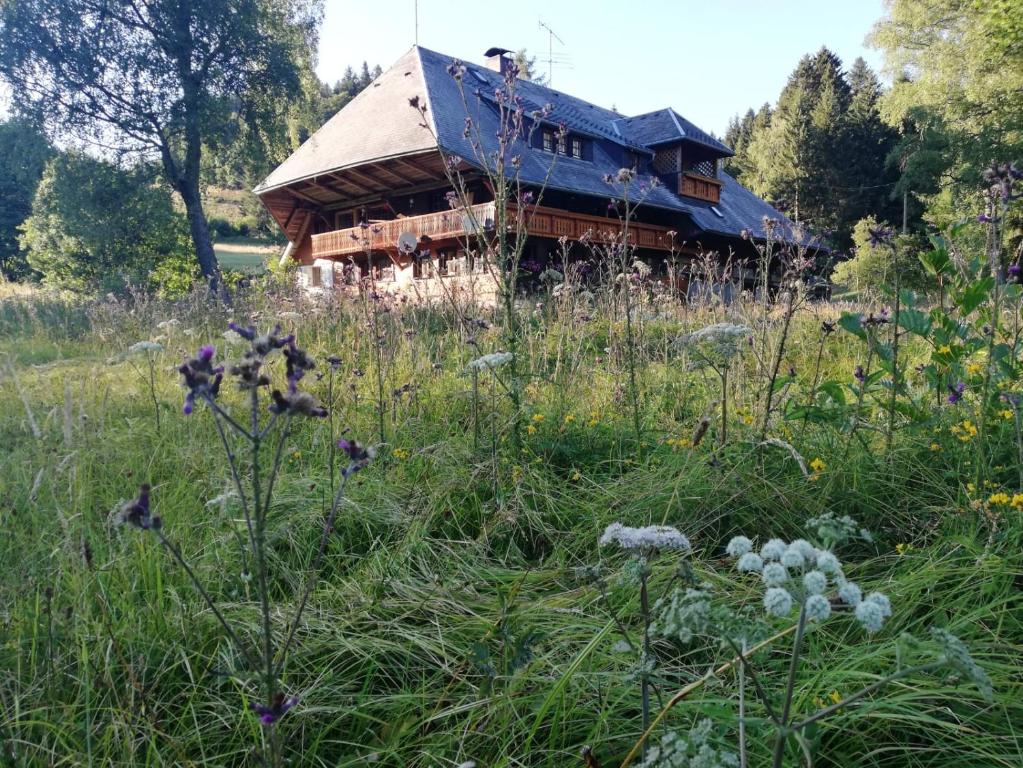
548, 141
577, 147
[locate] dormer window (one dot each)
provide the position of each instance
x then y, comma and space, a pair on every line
570, 146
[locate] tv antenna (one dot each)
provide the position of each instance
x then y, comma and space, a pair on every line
551, 37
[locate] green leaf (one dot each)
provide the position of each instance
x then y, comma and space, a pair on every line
915, 321
850, 321
974, 294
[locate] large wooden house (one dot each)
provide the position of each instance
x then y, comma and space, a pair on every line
375, 173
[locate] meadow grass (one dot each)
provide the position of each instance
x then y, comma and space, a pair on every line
452, 623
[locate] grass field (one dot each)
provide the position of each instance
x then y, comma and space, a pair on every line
457, 618
245, 254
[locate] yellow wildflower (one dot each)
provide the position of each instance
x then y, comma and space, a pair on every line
569, 419
818, 465
999, 498
1017, 500
400, 454
531, 429
974, 369
835, 697
944, 349
1006, 414
935, 447
537, 418
903, 548
576, 475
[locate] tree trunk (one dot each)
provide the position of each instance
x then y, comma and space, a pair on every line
200, 231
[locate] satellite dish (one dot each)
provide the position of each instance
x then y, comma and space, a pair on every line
407, 242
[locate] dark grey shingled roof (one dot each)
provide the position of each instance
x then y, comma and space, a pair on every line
739, 208
379, 123
666, 126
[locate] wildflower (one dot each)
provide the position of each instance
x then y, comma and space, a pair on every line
974, 369
793, 558
268, 715
944, 349
773, 549
777, 602
849, 593
1006, 414
858, 374
872, 611
693, 749
530, 429
1017, 501
957, 656
935, 447
817, 608
202, 378
359, 456
750, 562
828, 563
805, 548
576, 475
661, 537
774, 574
625, 175
137, 513
400, 454
815, 582
880, 235
818, 465
684, 615
491, 361
569, 419
145, 346
956, 392
902, 548
999, 498
296, 402
739, 546
537, 418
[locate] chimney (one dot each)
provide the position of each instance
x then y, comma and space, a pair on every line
498, 60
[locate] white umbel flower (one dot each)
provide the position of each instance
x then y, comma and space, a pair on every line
751, 562
662, 537
815, 582
145, 346
489, 362
793, 558
870, 615
805, 548
777, 602
739, 546
817, 608
773, 549
849, 593
828, 563
774, 574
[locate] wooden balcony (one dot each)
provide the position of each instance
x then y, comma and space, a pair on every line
383, 235
552, 223
699, 186
556, 223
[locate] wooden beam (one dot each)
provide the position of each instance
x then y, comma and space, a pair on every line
395, 175
302, 197
416, 169
365, 179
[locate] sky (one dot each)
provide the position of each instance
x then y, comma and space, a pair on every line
709, 60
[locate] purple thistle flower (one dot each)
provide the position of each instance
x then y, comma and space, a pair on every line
984, 219
956, 392
137, 513
859, 375
358, 455
880, 235
1014, 270
247, 333
202, 378
270, 715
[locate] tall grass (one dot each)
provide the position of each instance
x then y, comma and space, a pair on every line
449, 627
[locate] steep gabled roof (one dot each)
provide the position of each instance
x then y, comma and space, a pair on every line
666, 126
376, 124
379, 124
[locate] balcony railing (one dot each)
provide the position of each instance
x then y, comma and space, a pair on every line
701, 187
553, 223
383, 235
